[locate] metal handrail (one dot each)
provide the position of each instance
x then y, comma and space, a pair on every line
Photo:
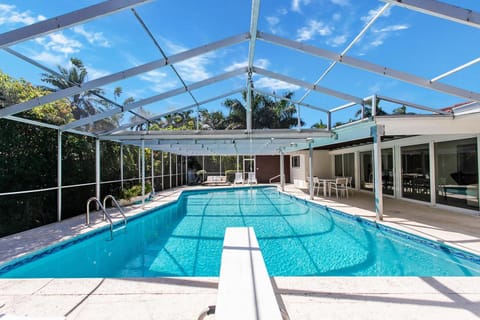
105, 213
273, 178
114, 201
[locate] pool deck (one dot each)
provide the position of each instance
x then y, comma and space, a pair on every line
301, 297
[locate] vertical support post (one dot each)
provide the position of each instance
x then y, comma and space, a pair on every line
59, 176
186, 170
162, 171
478, 171
433, 184
238, 162
176, 170
170, 169
329, 120
249, 103
203, 168
139, 163
143, 172
121, 166
374, 106
299, 121
153, 171
97, 170
356, 160
310, 169
397, 166
181, 170
220, 165
377, 132
282, 171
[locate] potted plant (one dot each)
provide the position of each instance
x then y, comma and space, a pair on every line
134, 194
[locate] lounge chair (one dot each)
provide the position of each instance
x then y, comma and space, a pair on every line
238, 178
216, 180
251, 178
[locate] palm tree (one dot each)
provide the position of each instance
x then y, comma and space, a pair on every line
368, 110
84, 103
319, 125
212, 120
266, 112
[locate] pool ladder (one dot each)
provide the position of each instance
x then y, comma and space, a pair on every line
106, 215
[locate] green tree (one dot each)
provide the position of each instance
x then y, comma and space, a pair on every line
319, 125
266, 112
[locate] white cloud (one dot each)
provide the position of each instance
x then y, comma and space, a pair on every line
273, 21
50, 59
274, 84
396, 27
158, 81
261, 63
94, 38
58, 42
342, 3
337, 41
336, 16
312, 29
193, 69
297, 3
373, 12
10, 15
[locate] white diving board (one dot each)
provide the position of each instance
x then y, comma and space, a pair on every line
244, 289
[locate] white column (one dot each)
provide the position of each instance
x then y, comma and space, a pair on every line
59, 176
121, 166
97, 170
153, 171
176, 170
397, 154
186, 170
143, 172
220, 165
433, 189
282, 170
162, 171
203, 168
181, 170
478, 167
238, 162
356, 158
170, 168
310, 170
139, 163
377, 132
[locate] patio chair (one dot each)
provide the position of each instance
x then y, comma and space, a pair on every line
238, 178
251, 178
349, 186
317, 184
340, 185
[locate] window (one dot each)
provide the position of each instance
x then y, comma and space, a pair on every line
457, 173
416, 172
295, 161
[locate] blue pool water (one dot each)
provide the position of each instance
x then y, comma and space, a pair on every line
296, 238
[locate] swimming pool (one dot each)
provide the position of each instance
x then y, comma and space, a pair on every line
297, 238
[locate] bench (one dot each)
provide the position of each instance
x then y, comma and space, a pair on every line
214, 180
244, 290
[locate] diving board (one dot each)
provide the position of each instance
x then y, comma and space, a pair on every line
244, 289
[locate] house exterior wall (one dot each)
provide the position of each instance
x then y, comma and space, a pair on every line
322, 166
269, 166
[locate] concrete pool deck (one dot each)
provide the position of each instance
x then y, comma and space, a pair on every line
301, 297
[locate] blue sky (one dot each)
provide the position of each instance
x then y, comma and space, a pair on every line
401, 39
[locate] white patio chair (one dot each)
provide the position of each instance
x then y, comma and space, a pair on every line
340, 185
238, 178
251, 178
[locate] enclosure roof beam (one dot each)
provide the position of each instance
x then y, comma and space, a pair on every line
158, 116
411, 104
150, 100
253, 32
66, 20
27, 105
455, 70
370, 67
304, 84
441, 10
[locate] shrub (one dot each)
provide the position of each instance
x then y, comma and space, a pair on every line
135, 191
